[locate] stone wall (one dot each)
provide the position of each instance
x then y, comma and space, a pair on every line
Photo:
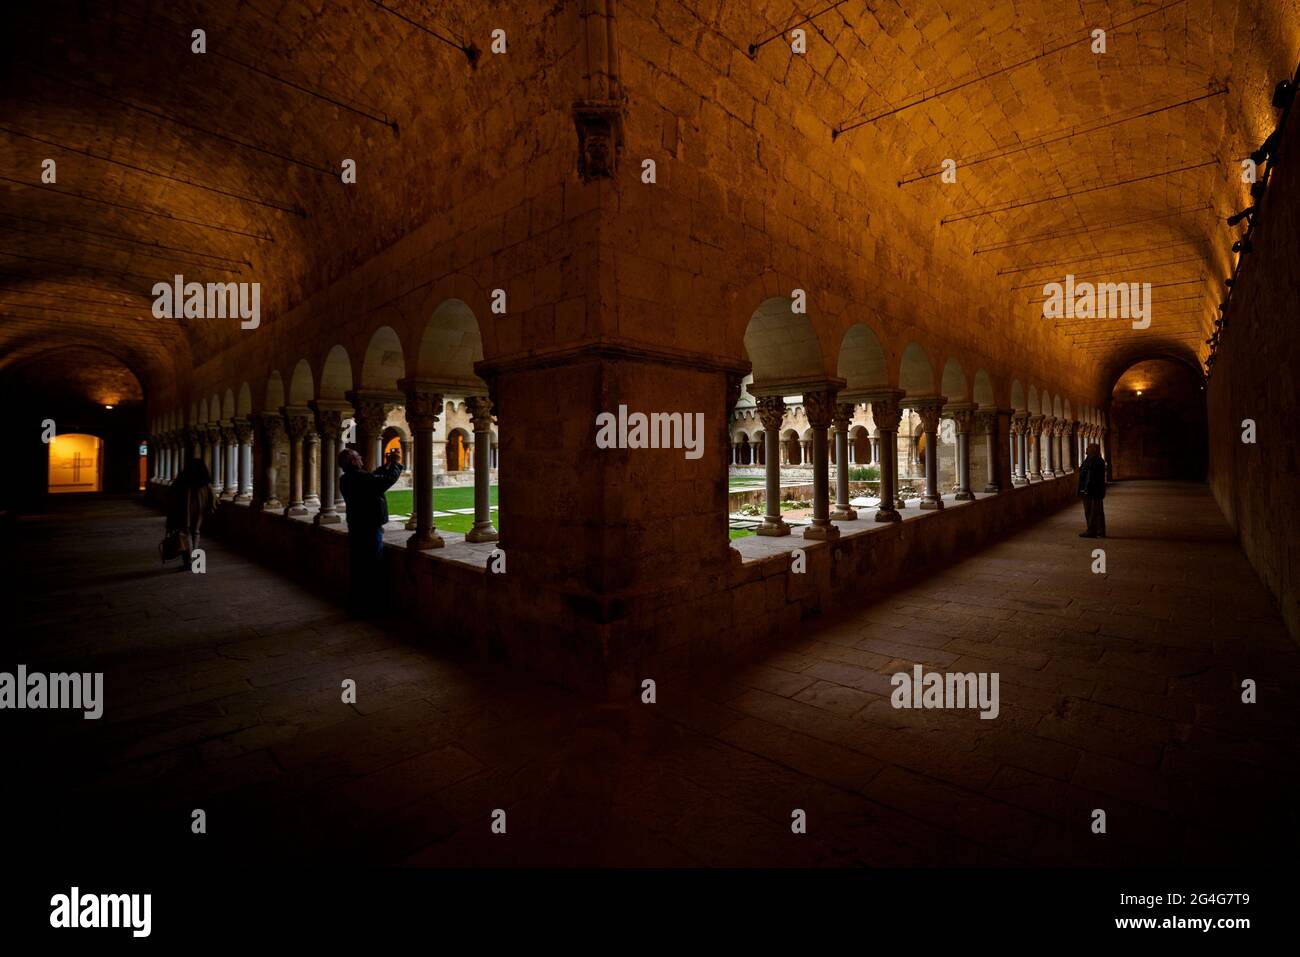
1255, 377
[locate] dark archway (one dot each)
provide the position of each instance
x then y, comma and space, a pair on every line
1158, 425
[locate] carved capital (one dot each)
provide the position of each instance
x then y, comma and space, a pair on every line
1035, 425
964, 420
820, 408
929, 413
329, 423
422, 410
844, 415
243, 431
1020, 423
296, 425
771, 412
886, 412
480, 412
271, 427
987, 421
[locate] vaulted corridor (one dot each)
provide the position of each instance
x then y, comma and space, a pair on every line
1119, 691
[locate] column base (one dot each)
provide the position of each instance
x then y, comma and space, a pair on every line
228, 495
243, 498
844, 514
487, 534
930, 504
965, 496
312, 501
821, 533
273, 505
327, 518
1035, 477
899, 503
218, 493
772, 528
888, 515
298, 509
412, 524
420, 543
991, 489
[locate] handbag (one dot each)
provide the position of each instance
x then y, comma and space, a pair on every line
171, 545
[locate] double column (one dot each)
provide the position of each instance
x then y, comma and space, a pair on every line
1036, 450
480, 412
1049, 447
229, 462
423, 403
843, 417
993, 423
887, 413
270, 427
930, 410
963, 417
243, 429
297, 423
820, 409
329, 426
1020, 435
771, 412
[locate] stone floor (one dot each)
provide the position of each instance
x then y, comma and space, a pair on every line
1118, 691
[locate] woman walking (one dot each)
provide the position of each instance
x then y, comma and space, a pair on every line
191, 502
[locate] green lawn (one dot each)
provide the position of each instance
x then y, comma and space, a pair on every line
400, 503
739, 533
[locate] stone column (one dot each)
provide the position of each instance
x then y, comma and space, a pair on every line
997, 452
311, 466
296, 424
804, 451
886, 412
964, 419
272, 430
1035, 473
422, 408
1058, 447
371, 411
329, 426
820, 407
930, 411
480, 412
243, 430
771, 411
1049, 453
843, 457
231, 457
1019, 428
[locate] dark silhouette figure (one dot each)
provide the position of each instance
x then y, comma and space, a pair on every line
191, 501
367, 511
1092, 486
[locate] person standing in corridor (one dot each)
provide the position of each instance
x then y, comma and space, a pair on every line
367, 512
1092, 487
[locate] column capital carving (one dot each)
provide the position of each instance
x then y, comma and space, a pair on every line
986, 420
1019, 423
929, 409
422, 409
480, 412
886, 411
271, 426
296, 422
771, 412
963, 419
1035, 425
243, 430
844, 415
820, 408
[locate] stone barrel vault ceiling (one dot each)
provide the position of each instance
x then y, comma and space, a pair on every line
112, 92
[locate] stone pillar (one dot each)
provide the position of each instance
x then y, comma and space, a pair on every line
843, 457
804, 451
422, 408
963, 418
997, 452
1036, 455
231, 457
930, 411
329, 425
886, 412
311, 466
1019, 429
271, 427
296, 423
371, 411
1048, 462
771, 411
820, 407
244, 436
480, 412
